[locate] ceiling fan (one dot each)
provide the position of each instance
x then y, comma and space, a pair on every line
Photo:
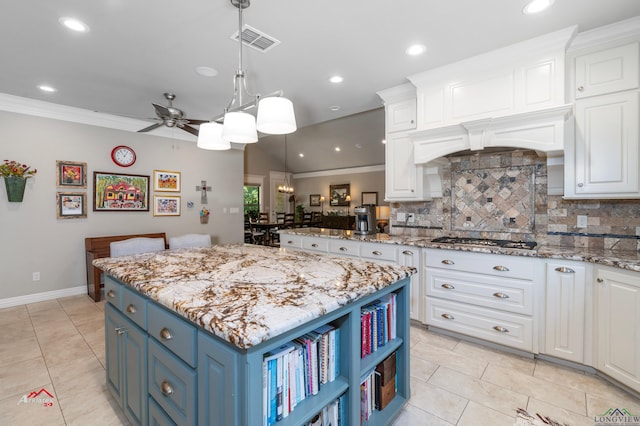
171, 116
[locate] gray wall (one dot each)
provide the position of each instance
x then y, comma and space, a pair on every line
34, 240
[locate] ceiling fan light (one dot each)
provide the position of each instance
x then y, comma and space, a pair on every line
276, 116
239, 127
210, 137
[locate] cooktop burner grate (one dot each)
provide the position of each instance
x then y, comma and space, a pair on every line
486, 242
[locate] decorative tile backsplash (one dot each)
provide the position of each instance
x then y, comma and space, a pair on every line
548, 220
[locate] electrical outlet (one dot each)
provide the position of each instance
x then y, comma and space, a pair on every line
412, 217
401, 217
581, 221
36, 276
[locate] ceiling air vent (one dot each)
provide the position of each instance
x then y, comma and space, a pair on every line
256, 39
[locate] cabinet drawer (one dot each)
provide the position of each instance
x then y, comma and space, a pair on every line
174, 333
157, 416
480, 263
503, 328
172, 384
113, 292
344, 247
315, 244
489, 292
376, 251
290, 241
134, 307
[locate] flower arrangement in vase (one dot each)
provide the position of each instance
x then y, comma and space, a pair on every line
204, 215
15, 178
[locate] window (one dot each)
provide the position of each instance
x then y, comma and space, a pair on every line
252, 200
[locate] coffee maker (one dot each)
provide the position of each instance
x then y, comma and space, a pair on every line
365, 219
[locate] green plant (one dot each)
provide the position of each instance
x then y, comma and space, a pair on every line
12, 168
299, 212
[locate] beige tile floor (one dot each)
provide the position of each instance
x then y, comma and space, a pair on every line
58, 346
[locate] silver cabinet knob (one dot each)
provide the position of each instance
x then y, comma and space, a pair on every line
289, 242
165, 388
580, 88
131, 309
501, 295
448, 262
600, 280
376, 253
343, 249
120, 330
447, 286
407, 252
565, 270
580, 185
111, 294
501, 329
314, 245
501, 268
448, 316
165, 334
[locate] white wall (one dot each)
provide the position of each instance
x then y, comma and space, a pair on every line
32, 239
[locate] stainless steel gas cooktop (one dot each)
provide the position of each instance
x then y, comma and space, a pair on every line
485, 242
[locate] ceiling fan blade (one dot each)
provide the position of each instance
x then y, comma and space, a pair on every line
153, 126
196, 122
189, 129
161, 110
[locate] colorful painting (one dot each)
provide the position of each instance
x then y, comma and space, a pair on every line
166, 205
166, 181
120, 192
71, 205
70, 173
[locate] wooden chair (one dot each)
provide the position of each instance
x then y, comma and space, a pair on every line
263, 217
275, 236
306, 219
316, 219
252, 235
289, 220
190, 240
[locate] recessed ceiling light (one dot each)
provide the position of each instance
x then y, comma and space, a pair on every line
207, 71
337, 148
384, 141
74, 24
336, 79
46, 88
334, 108
416, 49
359, 146
535, 6
301, 155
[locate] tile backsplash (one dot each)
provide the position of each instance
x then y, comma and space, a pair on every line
503, 195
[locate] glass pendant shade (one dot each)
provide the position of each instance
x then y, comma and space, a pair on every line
210, 137
276, 116
239, 127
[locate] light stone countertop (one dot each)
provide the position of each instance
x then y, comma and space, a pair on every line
246, 294
629, 260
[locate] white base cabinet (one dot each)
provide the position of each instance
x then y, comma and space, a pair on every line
565, 310
618, 336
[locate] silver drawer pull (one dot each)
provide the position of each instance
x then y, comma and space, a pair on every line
501, 329
565, 270
447, 316
165, 334
314, 245
376, 253
500, 268
343, 249
120, 330
407, 252
131, 309
501, 295
448, 262
165, 388
447, 286
600, 280
111, 294
289, 242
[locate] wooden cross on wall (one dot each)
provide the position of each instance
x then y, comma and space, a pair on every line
203, 188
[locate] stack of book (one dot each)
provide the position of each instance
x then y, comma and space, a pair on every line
378, 387
378, 324
297, 370
331, 415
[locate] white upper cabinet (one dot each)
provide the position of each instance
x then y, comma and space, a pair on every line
401, 116
607, 71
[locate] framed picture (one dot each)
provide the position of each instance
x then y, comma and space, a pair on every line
314, 200
71, 205
166, 205
120, 192
71, 174
166, 181
369, 198
339, 195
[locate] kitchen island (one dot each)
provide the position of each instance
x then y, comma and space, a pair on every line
189, 328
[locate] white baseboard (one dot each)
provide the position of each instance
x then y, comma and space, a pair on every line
41, 297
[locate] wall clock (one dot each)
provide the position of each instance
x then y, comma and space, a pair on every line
123, 156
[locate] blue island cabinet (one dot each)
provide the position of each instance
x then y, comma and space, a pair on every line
196, 378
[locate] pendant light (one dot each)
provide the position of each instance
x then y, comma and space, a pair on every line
210, 137
285, 187
275, 113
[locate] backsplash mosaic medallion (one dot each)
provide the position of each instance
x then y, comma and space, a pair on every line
499, 199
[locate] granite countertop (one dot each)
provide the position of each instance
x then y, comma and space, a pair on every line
629, 260
247, 294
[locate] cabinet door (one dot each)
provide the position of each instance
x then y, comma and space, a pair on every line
402, 176
565, 311
113, 343
410, 256
606, 148
401, 116
607, 71
618, 339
